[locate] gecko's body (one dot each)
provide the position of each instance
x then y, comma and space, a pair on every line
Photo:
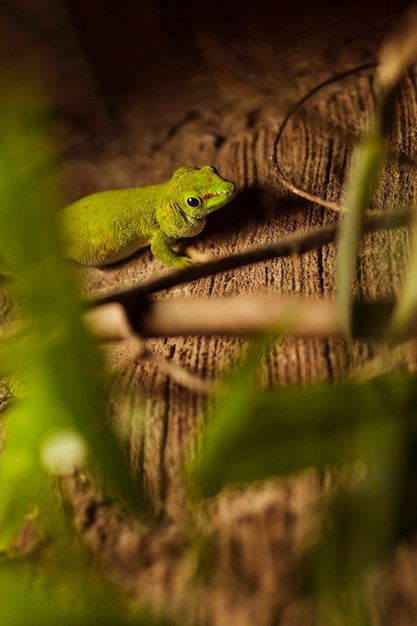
109, 226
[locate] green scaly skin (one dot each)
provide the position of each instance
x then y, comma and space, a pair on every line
109, 226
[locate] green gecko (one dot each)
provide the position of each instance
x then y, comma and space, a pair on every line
109, 226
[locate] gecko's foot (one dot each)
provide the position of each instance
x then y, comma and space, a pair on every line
183, 261
197, 256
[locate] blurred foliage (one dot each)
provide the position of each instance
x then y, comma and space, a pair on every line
59, 423
366, 432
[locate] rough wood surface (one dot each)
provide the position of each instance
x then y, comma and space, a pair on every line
133, 105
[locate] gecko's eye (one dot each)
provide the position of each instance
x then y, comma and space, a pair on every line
194, 203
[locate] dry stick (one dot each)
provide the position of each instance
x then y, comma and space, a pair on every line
136, 297
230, 315
236, 315
284, 180
258, 313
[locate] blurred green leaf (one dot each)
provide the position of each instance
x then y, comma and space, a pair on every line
366, 166
396, 54
62, 583
365, 432
258, 434
22, 604
406, 307
57, 356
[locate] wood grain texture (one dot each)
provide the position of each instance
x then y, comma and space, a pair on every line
217, 98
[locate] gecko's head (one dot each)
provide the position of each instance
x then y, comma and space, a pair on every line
200, 191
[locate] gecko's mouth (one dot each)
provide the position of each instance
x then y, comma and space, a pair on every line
212, 195
227, 192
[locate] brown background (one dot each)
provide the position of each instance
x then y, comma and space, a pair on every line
139, 89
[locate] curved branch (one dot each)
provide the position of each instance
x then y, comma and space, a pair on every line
284, 180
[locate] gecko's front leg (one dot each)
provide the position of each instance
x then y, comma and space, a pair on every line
161, 248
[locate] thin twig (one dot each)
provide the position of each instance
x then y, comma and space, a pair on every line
257, 313
239, 315
284, 180
137, 296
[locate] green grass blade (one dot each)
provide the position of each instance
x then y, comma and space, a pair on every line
366, 167
60, 360
404, 315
